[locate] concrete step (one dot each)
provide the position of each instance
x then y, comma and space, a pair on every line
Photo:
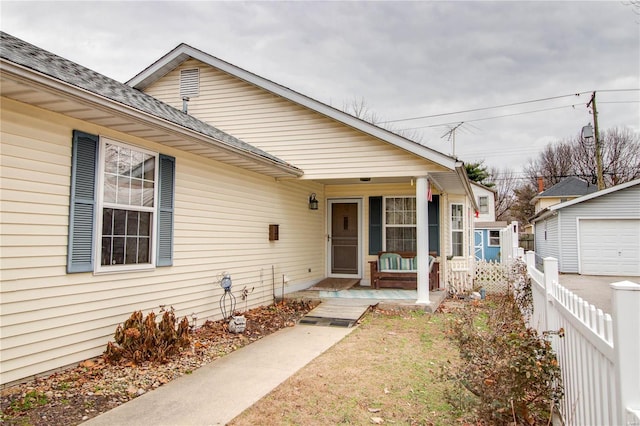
336, 313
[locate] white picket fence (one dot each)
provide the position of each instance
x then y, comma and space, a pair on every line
509, 243
599, 354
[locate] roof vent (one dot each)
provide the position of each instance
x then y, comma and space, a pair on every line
189, 82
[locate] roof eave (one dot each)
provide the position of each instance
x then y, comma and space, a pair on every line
542, 214
464, 179
596, 194
45, 82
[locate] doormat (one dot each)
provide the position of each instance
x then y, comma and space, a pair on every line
335, 284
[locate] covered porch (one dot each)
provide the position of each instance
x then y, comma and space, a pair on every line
428, 215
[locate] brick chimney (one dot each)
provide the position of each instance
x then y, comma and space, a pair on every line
540, 184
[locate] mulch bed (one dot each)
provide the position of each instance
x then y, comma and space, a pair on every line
94, 386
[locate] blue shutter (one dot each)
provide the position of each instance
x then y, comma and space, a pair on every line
375, 225
82, 206
166, 182
434, 225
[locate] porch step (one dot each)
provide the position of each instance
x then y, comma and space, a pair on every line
328, 322
336, 313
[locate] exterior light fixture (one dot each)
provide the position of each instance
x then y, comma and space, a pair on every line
313, 203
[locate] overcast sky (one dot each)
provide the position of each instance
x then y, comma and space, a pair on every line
404, 59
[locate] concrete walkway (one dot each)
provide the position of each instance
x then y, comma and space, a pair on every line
216, 393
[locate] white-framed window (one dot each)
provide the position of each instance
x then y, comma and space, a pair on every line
127, 207
494, 238
400, 223
483, 204
457, 229
121, 206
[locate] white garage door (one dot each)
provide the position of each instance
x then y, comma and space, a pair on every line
609, 246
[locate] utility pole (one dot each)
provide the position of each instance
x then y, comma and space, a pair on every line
596, 136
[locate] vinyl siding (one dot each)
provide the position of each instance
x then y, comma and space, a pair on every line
547, 247
478, 192
320, 146
51, 319
491, 253
543, 203
620, 204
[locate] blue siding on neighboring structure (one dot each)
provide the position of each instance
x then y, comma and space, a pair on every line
483, 250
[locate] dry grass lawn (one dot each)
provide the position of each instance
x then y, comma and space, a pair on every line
384, 372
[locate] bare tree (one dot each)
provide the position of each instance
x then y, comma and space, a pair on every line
621, 156
553, 164
505, 183
359, 108
576, 157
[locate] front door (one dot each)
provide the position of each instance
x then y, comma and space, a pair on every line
479, 244
344, 238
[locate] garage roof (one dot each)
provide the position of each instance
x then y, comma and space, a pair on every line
551, 209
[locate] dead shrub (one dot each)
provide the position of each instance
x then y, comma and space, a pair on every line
145, 339
509, 374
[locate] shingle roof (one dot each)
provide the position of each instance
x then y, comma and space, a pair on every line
570, 186
37, 59
549, 210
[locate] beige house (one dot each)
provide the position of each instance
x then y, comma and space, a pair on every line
115, 199
567, 189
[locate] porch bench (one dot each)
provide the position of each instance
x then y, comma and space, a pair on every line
399, 270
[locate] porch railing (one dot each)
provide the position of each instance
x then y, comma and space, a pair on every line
460, 271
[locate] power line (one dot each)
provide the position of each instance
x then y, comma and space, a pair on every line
506, 105
620, 102
491, 118
614, 90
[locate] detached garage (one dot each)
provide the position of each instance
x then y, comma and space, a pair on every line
609, 246
597, 234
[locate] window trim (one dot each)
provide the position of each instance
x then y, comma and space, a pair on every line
82, 233
490, 237
100, 205
384, 218
452, 230
485, 205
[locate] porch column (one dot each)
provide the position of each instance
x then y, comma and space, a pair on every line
422, 240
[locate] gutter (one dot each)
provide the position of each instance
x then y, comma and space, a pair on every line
542, 214
462, 174
72, 92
